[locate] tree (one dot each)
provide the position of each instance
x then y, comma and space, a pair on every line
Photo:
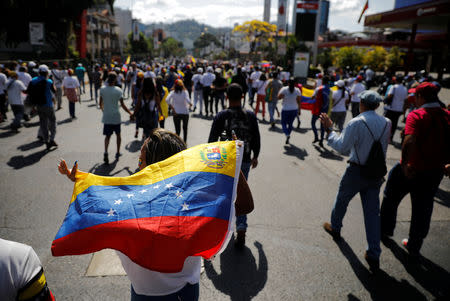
325, 58
172, 47
143, 45
205, 39
348, 56
394, 58
376, 58
257, 32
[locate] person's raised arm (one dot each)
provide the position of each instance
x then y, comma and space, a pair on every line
70, 173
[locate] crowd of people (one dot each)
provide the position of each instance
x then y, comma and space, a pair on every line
157, 90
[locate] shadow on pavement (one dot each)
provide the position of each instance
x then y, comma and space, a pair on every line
18, 162
67, 120
102, 169
31, 145
241, 278
31, 124
134, 146
443, 197
8, 134
429, 275
292, 150
275, 129
327, 154
380, 286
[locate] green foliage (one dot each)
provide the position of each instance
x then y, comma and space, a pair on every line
172, 47
325, 58
348, 56
220, 56
142, 46
206, 39
375, 58
394, 58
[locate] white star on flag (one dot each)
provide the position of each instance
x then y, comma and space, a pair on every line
156, 186
130, 195
170, 185
111, 212
143, 191
118, 202
179, 194
184, 206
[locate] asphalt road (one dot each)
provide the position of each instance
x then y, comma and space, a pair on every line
288, 256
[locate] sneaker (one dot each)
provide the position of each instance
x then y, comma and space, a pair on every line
53, 143
40, 138
118, 155
320, 143
374, 263
315, 140
105, 158
287, 139
239, 242
272, 124
335, 234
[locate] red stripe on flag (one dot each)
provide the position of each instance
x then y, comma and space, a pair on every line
157, 243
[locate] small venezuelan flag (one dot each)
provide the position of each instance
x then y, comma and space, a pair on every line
182, 206
127, 62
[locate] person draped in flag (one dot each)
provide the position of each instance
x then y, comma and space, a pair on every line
146, 283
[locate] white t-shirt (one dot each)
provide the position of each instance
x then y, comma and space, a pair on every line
289, 99
254, 77
284, 75
357, 88
58, 77
207, 79
151, 283
15, 92
18, 265
150, 74
3, 80
24, 77
400, 94
196, 78
71, 82
261, 86
179, 101
339, 101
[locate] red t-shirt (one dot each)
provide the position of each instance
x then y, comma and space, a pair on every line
431, 127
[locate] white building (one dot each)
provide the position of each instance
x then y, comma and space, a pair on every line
124, 23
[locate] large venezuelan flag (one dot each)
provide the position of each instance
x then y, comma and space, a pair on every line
182, 206
307, 102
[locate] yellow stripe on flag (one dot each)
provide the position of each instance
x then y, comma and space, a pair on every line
307, 92
128, 60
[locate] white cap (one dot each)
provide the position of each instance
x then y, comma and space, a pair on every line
200, 70
80, 65
43, 68
209, 69
218, 70
340, 83
31, 64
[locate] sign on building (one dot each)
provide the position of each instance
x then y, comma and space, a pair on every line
36, 33
301, 64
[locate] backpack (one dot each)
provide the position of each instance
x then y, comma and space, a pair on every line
36, 92
239, 122
198, 85
147, 118
375, 167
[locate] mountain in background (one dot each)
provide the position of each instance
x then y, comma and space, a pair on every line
187, 31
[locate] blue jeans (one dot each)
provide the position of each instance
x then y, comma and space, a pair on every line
422, 189
272, 105
18, 111
241, 220
190, 292
313, 126
351, 183
287, 121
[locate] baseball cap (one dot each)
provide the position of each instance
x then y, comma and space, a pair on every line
370, 96
43, 68
209, 69
200, 70
340, 83
359, 77
428, 90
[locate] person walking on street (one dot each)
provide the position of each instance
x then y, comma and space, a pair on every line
358, 140
245, 126
79, 71
261, 85
339, 109
321, 94
206, 81
41, 91
110, 97
254, 76
147, 107
357, 88
198, 90
179, 102
219, 87
290, 107
425, 159
97, 79
395, 101
14, 88
71, 85
241, 79
57, 76
3, 103
273, 88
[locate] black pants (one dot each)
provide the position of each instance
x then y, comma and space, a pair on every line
393, 116
3, 105
355, 109
206, 98
218, 96
177, 122
422, 188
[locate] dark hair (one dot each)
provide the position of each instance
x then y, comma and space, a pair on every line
159, 85
275, 75
263, 77
325, 80
234, 92
162, 144
22, 69
112, 77
148, 87
372, 106
291, 84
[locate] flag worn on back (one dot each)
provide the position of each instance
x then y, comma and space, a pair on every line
182, 206
307, 100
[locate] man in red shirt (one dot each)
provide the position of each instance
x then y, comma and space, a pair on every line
321, 94
425, 154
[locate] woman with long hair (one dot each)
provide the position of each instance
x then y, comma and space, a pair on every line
180, 103
290, 107
70, 85
147, 107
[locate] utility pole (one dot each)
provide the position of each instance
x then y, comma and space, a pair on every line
316, 33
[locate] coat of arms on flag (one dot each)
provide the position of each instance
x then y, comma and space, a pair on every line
182, 206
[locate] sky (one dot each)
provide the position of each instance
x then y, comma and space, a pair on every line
343, 13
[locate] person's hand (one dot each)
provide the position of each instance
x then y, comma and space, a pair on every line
254, 162
132, 117
70, 173
326, 121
